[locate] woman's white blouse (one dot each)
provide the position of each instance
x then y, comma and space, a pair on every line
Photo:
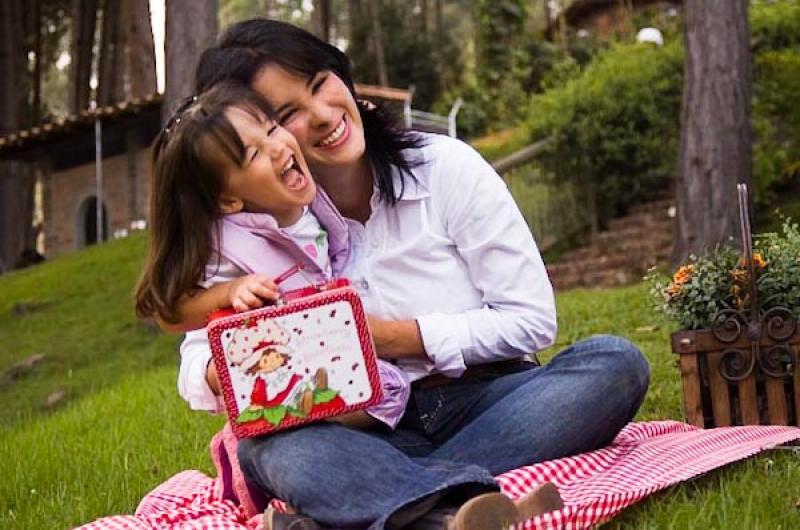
455, 254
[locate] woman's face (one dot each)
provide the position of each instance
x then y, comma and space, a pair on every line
320, 112
273, 178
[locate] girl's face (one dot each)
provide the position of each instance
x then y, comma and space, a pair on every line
273, 178
270, 361
320, 112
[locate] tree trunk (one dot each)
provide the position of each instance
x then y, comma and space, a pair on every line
439, 24
16, 182
377, 41
111, 71
36, 81
84, 20
715, 142
321, 17
140, 52
183, 47
355, 23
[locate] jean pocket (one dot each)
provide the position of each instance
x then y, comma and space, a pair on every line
443, 409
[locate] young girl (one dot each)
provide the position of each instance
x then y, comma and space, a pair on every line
233, 205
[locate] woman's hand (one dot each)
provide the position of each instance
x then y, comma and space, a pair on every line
251, 292
396, 339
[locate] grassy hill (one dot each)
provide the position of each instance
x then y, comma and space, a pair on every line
121, 428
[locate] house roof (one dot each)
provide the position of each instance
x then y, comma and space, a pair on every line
83, 121
74, 123
579, 10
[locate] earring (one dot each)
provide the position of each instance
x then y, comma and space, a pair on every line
367, 104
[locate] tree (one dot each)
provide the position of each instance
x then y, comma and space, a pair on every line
321, 19
191, 27
16, 181
140, 51
715, 141
84, 20
374, 12
111, 69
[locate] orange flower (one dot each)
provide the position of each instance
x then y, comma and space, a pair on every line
740, 299
740, 276
683, 275
672, 291
758, 261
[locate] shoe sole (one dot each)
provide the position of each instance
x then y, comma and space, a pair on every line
490, 511
543, 499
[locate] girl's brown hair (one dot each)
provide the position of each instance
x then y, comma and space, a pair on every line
189, 160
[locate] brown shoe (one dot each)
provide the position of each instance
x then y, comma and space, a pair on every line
307, 402
489, 511
543, 499
321, 379
495, 511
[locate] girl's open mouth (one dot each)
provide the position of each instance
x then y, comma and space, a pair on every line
292, 175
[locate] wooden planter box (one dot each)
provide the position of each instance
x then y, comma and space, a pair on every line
710, 400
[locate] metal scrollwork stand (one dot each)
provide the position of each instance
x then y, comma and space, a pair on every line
777, 324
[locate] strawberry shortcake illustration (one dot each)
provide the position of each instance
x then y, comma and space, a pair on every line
261, 350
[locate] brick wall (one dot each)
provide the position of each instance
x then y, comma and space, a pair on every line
67, 194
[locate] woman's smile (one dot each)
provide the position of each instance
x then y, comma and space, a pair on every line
321, 114
337, 137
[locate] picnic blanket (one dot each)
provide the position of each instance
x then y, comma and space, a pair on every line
644, 458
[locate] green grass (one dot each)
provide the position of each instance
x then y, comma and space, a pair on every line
122, 429
500, 144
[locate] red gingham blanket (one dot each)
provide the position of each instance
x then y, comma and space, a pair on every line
644, 458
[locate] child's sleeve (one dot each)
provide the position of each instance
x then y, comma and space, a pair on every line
396, 389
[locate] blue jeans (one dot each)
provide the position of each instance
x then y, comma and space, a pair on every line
454, 438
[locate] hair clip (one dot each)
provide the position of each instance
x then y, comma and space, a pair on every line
175, 119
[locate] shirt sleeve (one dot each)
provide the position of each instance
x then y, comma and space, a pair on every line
192, 383
396, 390
517, 315
196, 352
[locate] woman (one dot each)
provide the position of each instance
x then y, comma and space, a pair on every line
457, 295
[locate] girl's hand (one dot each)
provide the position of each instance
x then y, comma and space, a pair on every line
251, 292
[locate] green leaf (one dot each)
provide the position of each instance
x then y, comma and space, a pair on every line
324, 396
275, 415
248, 415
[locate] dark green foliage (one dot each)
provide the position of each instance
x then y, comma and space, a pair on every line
775, 25
693, 304
776, 123
708, 284
779, 285
412, 56
614, 128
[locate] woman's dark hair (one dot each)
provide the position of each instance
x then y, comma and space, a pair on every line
190, 156
244, 48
